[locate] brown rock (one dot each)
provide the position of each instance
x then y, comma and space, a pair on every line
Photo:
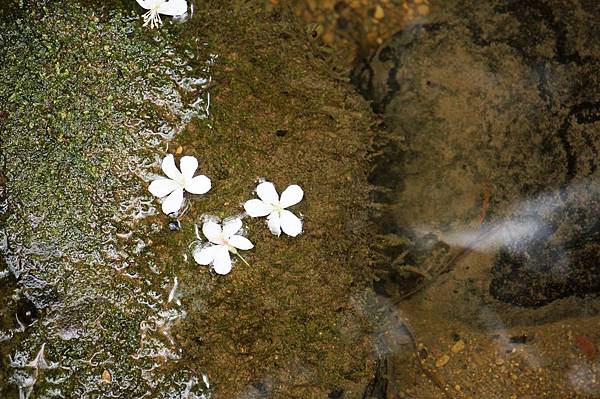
459, 346
106, 377
441, 361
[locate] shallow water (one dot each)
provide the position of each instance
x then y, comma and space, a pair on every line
489, 214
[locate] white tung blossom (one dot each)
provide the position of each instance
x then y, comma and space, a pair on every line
273, 207
222, 242
171, 188
165, 7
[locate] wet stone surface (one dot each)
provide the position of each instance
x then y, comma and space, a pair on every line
491, 141
89, 100
93, 102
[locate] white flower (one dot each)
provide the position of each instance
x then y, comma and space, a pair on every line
173, 187
273, 207
224, 241
165, 7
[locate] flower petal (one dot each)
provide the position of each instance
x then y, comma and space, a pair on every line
168, 166
188, 166
231, 227
212, 231
162, 187
266, 192
173, 202
257, 208
240, 242
222, 262
198, 185
274, 223
290, 224
291, 196
206, 255
173, 7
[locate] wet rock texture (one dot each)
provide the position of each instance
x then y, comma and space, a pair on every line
91, 101
83, 117
492, 122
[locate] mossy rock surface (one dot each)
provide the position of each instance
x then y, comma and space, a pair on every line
91, 102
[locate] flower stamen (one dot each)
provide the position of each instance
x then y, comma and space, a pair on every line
152, 17
242, 258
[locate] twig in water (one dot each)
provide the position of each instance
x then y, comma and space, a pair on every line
430, 374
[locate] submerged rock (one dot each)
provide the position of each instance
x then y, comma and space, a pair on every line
492, 118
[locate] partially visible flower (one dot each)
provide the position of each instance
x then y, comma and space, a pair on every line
39, 362
173, 187
223, 241
273, 207
165, 7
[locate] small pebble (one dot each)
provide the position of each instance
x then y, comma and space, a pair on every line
106, 377
328, 37
459, 346
379, 13
441, 361
179, 150
174, 225
423, 9
499, 362
586, 346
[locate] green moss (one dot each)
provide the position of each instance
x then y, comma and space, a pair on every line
75, 92
287, 318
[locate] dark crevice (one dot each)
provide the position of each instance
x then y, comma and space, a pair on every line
534, 10
378, 387
584, 113
362, 79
